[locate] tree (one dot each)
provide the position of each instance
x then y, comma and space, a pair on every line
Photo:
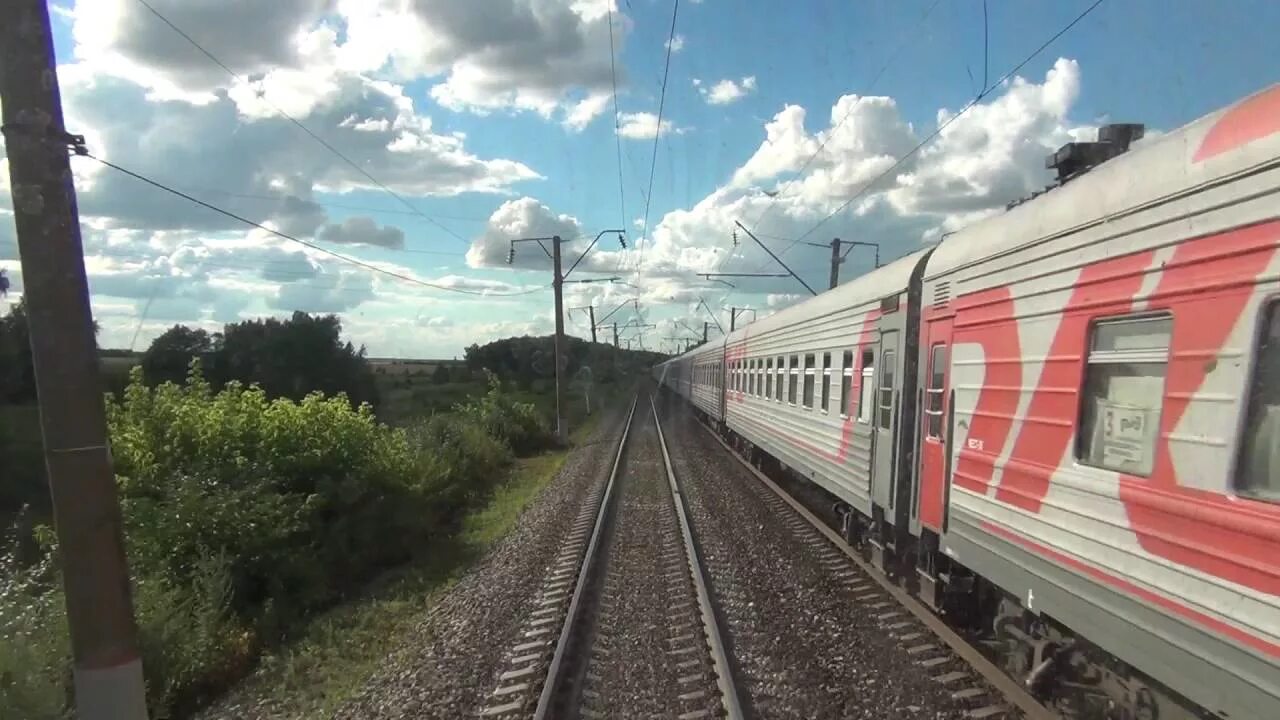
294, 357
170, 355
17, 373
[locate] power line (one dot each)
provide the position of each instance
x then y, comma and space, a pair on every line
657, 133
267, 197
262, 96
939, 130
344, 258
985, 91
617, 137
875, 80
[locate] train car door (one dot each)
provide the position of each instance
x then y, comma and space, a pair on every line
883, 421
934, 388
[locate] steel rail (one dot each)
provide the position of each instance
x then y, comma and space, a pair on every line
719, 658
1025, 702
553, 680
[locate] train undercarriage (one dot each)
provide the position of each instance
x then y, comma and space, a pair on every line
1070, 675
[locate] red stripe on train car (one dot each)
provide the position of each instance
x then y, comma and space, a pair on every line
1103, 288
1252, 119
1164, 602
1207, 284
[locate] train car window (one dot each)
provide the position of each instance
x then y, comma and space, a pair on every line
792, 378
779, 388
768, 379
886, 388
751, 377
933, 396
1124, 393
1259, 474
846, 382
826, 380
809, 379
865, 386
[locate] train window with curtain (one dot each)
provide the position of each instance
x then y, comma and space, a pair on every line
1124, 393
865, 385
887, 380
1259, 472
780, 387
826, 380
751, 377
846, 382
933, 395
809, 381
793, 378
768, 379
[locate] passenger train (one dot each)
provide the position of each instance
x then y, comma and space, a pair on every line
1063, 421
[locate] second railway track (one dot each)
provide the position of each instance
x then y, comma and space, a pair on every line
625, 624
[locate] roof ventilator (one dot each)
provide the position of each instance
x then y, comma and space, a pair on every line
1077, 158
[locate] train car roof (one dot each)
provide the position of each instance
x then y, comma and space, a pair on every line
1231, 141
870, 287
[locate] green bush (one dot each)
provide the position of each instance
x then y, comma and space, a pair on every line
244, 515
517, 424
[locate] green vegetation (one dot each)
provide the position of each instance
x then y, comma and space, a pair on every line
246, 515
269, 513
326, 664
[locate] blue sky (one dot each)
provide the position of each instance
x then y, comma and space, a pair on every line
485, 106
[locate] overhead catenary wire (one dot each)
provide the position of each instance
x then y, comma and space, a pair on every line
941, 128
339, 256
617, 134
657, 132
355, 166
875, 80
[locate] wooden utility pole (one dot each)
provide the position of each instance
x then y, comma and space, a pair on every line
591, 313
615, 335
108, 671
557, 284
705, 326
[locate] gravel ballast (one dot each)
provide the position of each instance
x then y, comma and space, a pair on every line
648, 657
804, 643
448, 666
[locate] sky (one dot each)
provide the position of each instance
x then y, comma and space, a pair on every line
406, 143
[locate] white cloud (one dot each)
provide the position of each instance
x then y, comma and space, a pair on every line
643, 126
726, 91
992, 155
517, 55
580, 115
676, 43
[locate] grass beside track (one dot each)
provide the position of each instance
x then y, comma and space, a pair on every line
329, 661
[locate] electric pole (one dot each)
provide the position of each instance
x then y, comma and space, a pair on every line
705, 326
558, 279
615, 335
557, 284
837, 258
835, 263
591, 313
107, 668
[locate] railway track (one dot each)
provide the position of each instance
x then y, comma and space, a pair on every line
624, 622
939, 652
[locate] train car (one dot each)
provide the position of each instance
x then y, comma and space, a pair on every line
707, 389
820, 387
1066, 418
1101, 425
